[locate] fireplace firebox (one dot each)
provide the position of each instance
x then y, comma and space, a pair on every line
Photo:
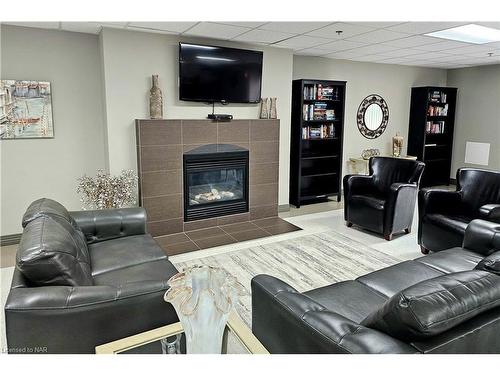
215, 181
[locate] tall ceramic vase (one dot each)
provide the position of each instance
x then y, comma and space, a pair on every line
155, 100
264, 112
273, 111
203, 297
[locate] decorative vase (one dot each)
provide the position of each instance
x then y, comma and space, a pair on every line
203, 297
273, 112
397, 145
155, 100
264, 113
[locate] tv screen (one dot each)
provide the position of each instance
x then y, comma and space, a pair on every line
219, 74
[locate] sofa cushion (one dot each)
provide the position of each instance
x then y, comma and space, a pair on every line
123, 252
350, 299
490, 264
52, 252
46, 207
391, 280
157, 270
451, 260
436, 305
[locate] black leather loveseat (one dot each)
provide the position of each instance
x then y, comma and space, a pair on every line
444, 215
83, 279
447, 302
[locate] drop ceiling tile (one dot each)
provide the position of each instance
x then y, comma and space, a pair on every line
377, 36
493, 45
348, 30
423, 27
495, 25
374, 49
293, 27
449, 58
81, 27
441, 46
395, 60
469, 50
216, 30
263, 36
174, 27
251, 25
401, 52
376, 25
425, 55
344, 55
117, 25
311, 52
152, 31
341, 45
368, 58
39, 25
302, 41
485, 54
412, 41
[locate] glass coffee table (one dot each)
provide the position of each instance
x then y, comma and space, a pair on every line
238, 339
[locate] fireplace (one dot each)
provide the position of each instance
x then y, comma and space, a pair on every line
215, 181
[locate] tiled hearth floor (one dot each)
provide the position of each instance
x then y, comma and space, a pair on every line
179, 243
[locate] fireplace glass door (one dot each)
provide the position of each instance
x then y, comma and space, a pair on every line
216, 186
215, 183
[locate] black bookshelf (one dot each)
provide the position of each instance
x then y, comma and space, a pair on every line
317, 134
430, 134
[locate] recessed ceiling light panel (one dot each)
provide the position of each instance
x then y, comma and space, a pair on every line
471, 33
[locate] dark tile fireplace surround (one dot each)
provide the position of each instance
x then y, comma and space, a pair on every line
232, 171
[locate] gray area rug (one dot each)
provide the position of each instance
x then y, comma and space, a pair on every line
306, 262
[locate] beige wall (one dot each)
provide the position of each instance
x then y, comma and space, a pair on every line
392, 82
478, 112
34, 168
129, 59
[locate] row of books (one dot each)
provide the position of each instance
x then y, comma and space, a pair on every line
437, 111
317, 111
320, 92
437, 96
318, 132
436, 127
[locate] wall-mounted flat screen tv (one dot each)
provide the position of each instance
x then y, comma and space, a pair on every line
219, 74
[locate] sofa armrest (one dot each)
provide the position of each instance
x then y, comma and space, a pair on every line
357, 184
66, 319
482, 237
490, 212
102, 225
286, 321
439, 201
400, 206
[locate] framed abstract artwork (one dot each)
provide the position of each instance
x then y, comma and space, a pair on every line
25, 109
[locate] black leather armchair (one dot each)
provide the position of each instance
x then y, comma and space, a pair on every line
447, 302
384, 201
444, 215
83, 279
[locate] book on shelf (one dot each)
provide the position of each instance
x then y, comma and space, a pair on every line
437, 96
317, 111
320, 92
434, 127
323, 131
437, 110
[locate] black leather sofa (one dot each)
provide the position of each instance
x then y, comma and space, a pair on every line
384, 201
444, 215
447, 302
83, 279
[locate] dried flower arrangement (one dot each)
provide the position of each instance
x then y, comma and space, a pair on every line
105, 191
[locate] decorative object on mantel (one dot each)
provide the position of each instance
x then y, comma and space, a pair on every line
273, 112
105, 191
155, 100
203, 297
373, 116
25, 109
397, 145
368, 153
264, 112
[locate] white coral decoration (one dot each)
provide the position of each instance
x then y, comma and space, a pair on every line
105, 191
